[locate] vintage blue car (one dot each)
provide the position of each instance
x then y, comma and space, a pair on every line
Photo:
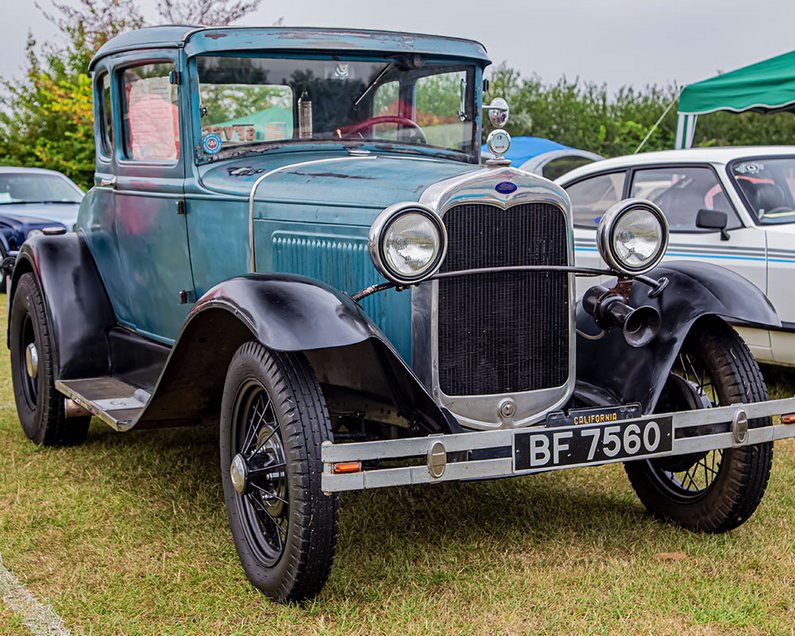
291, 237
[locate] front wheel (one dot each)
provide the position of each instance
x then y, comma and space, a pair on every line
273, 422
718, 490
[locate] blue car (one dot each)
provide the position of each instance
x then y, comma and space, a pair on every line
33, 201
292, 238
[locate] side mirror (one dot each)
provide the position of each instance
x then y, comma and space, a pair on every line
713, 220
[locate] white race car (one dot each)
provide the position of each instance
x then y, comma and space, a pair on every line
734, 207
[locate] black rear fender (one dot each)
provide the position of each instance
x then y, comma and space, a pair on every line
78, 308
695, 291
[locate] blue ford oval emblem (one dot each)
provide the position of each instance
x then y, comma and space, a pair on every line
505, 187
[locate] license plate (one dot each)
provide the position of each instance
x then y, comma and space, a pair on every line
546, 448
604, 415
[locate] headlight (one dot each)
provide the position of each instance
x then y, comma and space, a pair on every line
407, 243
33, 233
632, 236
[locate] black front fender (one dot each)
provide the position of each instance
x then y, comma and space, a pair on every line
286, 313
695, 290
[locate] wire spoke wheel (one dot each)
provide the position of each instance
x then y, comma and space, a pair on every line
715, 490
28, 373
273, 422
40, 406
689, 477
263, 502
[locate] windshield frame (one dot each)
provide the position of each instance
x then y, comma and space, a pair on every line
39, 175
749, 208
472, 67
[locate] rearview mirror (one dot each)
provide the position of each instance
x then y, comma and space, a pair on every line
713, 220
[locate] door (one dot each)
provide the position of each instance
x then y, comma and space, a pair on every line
150, 223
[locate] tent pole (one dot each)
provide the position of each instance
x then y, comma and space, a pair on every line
685, 130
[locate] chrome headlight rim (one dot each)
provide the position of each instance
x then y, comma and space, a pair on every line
378, 232
605, 236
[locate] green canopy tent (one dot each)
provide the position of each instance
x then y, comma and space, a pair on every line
764, 87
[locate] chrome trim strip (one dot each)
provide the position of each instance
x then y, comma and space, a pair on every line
503, 467
252, 261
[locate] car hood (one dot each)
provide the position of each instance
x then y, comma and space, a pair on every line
372, 181
64, 213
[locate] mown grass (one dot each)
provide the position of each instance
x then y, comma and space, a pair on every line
127, 535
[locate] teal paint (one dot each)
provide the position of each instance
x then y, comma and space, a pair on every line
311, 220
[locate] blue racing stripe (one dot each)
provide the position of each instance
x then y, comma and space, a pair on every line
704, 256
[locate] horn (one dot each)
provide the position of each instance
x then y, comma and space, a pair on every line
640, 326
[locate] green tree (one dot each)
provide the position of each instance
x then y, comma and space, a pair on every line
46, 118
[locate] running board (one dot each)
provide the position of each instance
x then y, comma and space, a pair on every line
115, 402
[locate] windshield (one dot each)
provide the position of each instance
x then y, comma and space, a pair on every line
768, 188
248, 104
37, 188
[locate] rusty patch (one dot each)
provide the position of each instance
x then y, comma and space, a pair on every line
215, 36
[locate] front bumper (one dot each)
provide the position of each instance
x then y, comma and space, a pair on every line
437, 458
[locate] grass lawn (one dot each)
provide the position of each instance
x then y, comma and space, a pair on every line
128, 535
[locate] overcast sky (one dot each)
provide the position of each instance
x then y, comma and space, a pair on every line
612, 41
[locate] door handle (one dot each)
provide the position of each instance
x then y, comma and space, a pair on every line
105, 182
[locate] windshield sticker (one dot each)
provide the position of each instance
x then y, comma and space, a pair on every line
234, 133
749, 167
211, 143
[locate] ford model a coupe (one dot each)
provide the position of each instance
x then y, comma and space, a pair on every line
291, 234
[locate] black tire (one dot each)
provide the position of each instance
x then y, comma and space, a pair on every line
718, 490
3, 288
274, 418
39, 404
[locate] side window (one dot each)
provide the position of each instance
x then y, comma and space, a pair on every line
591, 198
681, 192
151, 114
558, 167
102, 96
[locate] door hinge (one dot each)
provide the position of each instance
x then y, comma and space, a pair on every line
185, 297
175, 77
181, 207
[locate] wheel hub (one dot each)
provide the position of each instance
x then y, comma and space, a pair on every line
239, 474
32, 361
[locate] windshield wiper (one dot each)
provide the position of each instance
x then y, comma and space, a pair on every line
372, 84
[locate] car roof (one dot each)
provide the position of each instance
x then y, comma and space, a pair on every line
202, 38
720, 155
21, 169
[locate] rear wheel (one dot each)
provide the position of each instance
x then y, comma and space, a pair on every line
717, 490
39, 404
273, 422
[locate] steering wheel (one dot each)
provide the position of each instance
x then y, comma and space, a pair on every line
345, 132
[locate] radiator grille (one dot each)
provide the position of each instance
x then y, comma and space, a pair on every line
504, 332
